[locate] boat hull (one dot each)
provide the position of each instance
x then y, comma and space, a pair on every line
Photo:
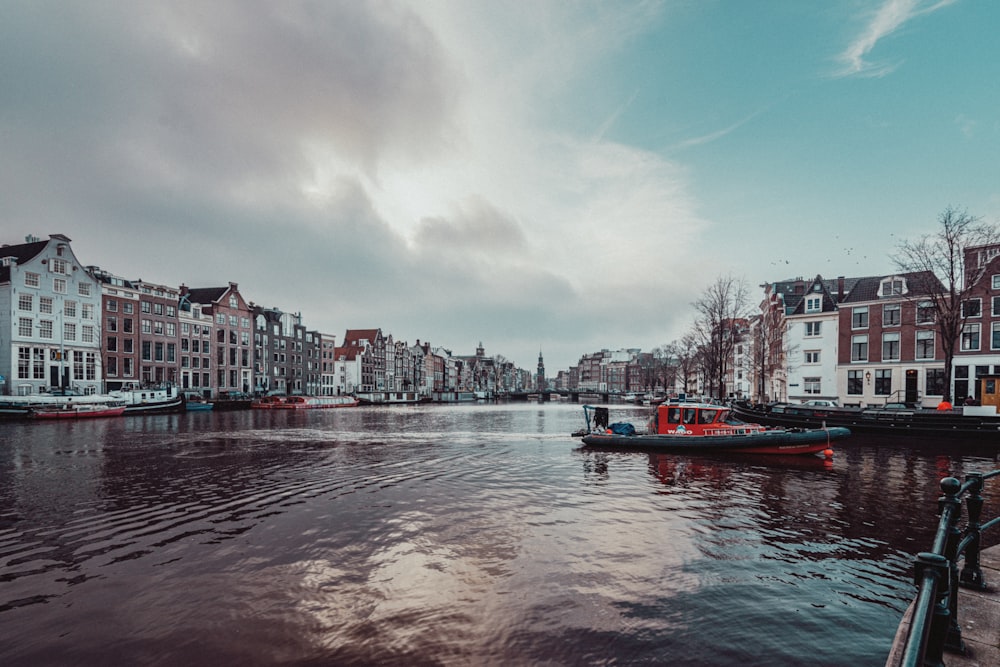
931, 423
304, 402
80, 412
779, 441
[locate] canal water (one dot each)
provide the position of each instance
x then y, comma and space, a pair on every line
448, 535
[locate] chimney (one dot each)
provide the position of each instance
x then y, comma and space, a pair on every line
840, 288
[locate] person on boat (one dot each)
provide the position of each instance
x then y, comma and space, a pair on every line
944, 406
970, 400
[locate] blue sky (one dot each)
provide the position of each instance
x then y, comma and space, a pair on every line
547, 175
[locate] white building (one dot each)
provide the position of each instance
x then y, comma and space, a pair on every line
49, 319
812, 336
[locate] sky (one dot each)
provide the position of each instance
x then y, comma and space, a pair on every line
546, 176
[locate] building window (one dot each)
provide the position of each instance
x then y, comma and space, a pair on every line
859, 317
812, 329
25, 302
890, 315
59, 285
128, 369
127, 326
112, 344
855, 383
859, 348
111, 366
32, 279
925, 312
934, 385
811, 385
87, 312
970, 337
45, 329
893, 287
87, 334
69, 309
128, 307
972, 308
45, 304
37, 363
23, 363
812, 356
145, 307
995, 308
69, 331
146, 326
883, 381
925, 345
147, 350
890, 347
996, 281
111, 306
814, 304
233, 301
24, 327
127, 346
83, 289
57, 266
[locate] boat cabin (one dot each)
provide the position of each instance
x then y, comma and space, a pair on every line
694, 419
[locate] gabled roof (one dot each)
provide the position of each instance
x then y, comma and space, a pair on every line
206, 294
918, 283
793, 292
22, 254
356, 336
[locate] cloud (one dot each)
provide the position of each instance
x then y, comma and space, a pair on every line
366, 164
889, 18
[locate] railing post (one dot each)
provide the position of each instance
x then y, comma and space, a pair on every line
930, 573
972, 573
950, 508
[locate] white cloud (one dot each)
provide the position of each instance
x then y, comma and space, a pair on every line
891, 16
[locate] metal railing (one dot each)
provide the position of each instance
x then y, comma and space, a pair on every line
934, 624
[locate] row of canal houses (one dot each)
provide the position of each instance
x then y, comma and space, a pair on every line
863, 341
874, 340
64, 324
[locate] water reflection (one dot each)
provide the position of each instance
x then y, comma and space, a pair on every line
447, 535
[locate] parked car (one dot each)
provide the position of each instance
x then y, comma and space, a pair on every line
821, 403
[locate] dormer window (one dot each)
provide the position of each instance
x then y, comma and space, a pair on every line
814, 304
893, 287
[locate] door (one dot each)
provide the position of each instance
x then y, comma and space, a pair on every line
912, 395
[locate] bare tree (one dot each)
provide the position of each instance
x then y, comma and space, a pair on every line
687, 358
723, 317
943, 254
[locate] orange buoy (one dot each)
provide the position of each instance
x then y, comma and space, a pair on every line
828, 453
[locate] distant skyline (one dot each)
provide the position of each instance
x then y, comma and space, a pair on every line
547, 176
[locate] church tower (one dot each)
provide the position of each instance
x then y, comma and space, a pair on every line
540, 383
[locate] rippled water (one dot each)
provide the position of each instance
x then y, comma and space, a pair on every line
458, 535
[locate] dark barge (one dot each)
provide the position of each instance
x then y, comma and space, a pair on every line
975, 422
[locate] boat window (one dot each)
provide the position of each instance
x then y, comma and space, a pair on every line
674, 416
689, 414
707, 416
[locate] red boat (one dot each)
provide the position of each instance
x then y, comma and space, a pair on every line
705, 427
303, 402
79, 410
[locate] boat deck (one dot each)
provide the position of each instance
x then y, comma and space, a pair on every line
978, 616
